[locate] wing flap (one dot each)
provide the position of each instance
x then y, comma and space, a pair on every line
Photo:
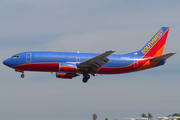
163, 57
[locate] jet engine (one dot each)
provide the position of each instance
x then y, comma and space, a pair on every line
67, 67
66, 75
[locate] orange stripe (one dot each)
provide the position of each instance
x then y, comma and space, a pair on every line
159, 53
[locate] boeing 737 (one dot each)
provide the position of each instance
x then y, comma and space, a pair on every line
69, 65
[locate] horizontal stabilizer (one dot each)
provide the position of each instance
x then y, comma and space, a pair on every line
163, 57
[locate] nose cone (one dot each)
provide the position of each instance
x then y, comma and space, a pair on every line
7, 62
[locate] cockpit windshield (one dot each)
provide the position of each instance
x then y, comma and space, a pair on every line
15, 56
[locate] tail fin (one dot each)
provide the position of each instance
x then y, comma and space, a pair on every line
155, 46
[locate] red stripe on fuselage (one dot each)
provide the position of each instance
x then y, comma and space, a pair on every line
44, 67
126, 69
68, 69
54, 67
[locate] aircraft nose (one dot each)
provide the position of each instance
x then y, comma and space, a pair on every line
6, 62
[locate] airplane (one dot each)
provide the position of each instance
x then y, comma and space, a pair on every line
69, 65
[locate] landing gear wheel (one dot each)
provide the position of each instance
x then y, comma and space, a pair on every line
22, 75
85, 78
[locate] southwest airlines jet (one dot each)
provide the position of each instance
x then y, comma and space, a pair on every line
69, 65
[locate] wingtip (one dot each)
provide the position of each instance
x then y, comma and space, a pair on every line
173, 53
112, 51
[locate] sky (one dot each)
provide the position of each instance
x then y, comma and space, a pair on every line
89, 26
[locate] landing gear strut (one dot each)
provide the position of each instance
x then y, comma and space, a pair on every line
86, 77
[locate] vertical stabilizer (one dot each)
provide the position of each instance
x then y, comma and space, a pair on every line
155, 46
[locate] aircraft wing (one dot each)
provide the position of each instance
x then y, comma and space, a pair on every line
163, 57
96, 61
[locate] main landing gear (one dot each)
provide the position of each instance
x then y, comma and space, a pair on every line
86, 77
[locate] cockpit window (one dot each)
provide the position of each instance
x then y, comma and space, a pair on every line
15, 56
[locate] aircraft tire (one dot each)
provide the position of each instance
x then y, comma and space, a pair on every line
85, 78
22, 75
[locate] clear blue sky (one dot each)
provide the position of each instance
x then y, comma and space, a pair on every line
88, 26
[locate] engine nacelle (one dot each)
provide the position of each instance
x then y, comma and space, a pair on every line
64, 75
67, 67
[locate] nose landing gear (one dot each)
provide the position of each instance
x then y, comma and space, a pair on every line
22, 75
86, 77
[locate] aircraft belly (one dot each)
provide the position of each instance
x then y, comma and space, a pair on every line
45, 67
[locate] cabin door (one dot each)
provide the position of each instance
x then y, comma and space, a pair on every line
28, 57
135, 62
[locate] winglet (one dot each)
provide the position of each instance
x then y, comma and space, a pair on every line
163, 57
